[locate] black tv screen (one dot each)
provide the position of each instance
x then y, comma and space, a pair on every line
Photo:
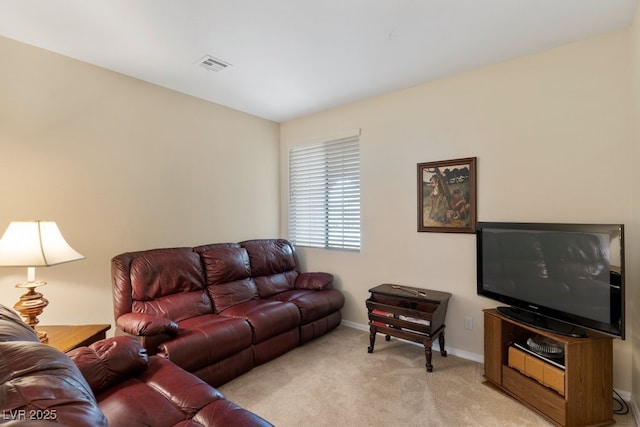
566, 278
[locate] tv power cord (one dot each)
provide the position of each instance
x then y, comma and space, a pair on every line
622, 408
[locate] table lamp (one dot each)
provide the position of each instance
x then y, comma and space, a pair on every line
34, 244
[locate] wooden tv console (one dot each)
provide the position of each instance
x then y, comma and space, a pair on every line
580, 397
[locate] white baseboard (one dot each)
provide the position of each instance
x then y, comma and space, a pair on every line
633, 405
354, 325
435, 347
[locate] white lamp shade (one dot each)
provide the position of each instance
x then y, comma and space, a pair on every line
35, 244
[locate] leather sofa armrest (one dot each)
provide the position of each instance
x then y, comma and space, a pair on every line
314, 281
109, 361
140, 324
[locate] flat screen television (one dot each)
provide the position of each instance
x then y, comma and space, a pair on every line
565, 278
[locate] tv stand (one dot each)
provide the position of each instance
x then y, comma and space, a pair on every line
581, 395
542, 322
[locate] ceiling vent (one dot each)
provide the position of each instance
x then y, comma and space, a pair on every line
210, 63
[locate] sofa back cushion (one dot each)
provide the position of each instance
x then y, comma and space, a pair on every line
228, 275
163, 282
273, 265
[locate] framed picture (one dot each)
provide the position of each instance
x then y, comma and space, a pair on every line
447, 196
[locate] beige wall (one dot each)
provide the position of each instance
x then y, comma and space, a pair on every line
634, 293
552, 136
122, 165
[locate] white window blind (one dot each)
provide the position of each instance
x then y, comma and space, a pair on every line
324, 194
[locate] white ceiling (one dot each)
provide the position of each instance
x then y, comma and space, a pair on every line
290, 58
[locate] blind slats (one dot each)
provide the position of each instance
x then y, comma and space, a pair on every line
324, 199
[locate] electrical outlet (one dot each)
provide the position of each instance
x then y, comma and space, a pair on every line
468, 322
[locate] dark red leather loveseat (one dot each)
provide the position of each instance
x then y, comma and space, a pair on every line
218, 310
113, 382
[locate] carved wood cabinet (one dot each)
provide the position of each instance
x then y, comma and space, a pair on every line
409, 313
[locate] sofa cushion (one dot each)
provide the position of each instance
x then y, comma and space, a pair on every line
206, 339
37, 377
107, 362
169, 283
267, 318
228, 275
275, 283
224, 264
313, 304
273, 265
176, 307
162, 272
269, 256
230, 294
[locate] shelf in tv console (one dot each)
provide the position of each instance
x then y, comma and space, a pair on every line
558, 362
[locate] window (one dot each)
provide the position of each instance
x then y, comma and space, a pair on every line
324, 194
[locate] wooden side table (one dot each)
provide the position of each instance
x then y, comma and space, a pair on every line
413, 314
67, 337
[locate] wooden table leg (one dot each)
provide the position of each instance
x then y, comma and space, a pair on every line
443, 352
372, 338
427, 353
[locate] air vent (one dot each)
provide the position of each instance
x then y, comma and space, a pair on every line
210, 63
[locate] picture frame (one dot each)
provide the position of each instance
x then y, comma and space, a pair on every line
447, 196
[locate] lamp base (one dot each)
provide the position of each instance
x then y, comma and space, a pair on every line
42, 336
31, 306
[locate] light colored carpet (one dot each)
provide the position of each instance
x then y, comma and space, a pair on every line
333, 381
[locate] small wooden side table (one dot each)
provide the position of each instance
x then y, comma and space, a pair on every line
413, 314
67, 337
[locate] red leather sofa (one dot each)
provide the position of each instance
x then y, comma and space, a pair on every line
112, 382
218, 310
